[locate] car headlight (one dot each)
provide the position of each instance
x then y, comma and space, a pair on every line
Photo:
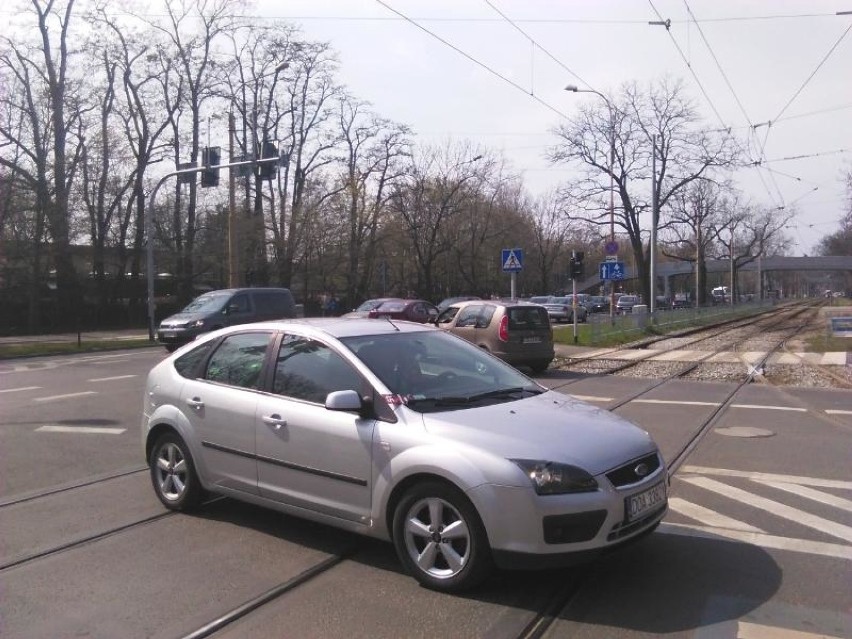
196, 324
553, 478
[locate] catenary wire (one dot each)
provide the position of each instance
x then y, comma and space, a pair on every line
474, 60
536, 44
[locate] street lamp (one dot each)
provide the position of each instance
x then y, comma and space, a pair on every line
574, 89
233, 220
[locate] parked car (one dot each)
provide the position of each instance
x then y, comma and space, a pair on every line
403, 433
598, 304
396, 308
226, 307
453, 300
721, 295
561, 309
626, 303
662, 303
517, 332
681, 300
539, 299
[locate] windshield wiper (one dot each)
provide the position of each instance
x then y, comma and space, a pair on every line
451, 400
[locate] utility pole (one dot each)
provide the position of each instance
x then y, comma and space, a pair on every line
233, 244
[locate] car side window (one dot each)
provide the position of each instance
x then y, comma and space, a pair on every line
485, 315
238, 360
468, 315
309, 370
239, 303
187, 365
447, 315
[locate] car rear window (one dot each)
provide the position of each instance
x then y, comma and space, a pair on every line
391, 307
527, 317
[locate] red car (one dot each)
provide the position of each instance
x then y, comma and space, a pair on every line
396, 308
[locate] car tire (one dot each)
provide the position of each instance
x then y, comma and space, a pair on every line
540, 367
173, 473
446, 564
171, 348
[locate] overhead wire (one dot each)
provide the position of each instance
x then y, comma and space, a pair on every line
810, 77
731, 89
474, 60
536, 44
689, 65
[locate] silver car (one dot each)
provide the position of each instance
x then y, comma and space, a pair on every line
403, 432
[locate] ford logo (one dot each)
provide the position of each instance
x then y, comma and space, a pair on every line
641, 470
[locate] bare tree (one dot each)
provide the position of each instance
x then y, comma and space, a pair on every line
191, 28
375, 153
659, 126
440, 184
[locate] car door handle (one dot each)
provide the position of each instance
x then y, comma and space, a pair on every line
195, 402
274, 420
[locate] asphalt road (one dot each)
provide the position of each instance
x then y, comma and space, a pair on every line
758, 542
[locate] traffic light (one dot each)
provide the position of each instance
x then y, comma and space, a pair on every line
268, 170
210, 158
577, 265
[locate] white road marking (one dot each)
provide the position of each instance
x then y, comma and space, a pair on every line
773, 507
53, 398
591, 398
674, 401
110, 379
838, 412
747, 630
762, 407
709, 517
809, 493
88, 430
789, 479
17, 390
759, 539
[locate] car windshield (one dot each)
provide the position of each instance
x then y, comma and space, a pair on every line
434, 371
207, 302
627, 299
560, 300
391, 307
369, 305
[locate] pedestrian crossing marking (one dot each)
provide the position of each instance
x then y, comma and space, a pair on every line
746, 630
707, 516
809, 493
773, 542
773, 507
791, 479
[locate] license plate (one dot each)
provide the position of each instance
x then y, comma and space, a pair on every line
646, 501
532, 340
167, 334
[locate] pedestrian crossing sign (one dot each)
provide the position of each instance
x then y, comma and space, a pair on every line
512, 260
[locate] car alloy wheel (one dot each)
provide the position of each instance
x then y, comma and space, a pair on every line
173, 473
439, 537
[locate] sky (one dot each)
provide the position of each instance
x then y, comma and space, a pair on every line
778, 73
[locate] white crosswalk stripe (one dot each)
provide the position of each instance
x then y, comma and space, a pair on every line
705, 522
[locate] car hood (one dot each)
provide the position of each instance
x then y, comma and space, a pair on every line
550, 427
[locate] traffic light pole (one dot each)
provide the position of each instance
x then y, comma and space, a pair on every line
149, 229
574, 306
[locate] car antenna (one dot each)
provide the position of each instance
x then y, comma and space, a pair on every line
390, 321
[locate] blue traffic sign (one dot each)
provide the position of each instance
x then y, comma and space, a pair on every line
512, 260
612, 270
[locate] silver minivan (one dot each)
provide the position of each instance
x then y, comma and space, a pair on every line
225, 307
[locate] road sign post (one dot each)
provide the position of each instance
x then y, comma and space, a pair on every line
513, 262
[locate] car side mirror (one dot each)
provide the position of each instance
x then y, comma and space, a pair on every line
350, 401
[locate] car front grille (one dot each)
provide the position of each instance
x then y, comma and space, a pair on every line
626, 475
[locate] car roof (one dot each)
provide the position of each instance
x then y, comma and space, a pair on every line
338, 327
503, 303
